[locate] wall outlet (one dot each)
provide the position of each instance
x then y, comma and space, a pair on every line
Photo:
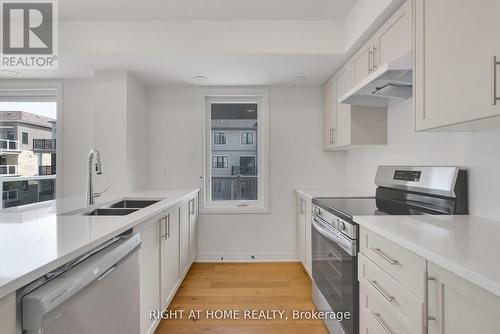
165, 171
222, 259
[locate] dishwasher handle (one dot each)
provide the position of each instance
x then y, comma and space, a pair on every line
39, 302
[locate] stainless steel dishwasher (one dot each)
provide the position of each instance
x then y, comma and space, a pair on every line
98, 294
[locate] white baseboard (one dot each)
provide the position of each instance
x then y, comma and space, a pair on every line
247, 257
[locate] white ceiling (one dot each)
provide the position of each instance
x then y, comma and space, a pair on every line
205, 9
221, 70
297, 38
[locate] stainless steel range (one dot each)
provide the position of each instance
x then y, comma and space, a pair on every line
401, 190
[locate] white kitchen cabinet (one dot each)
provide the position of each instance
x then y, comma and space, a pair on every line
8, 318
456, 306
301, 229
304, 250
362, 63
184, 238
149, 273
347, 126
395, 38
330, 115
169, 255
455, 41
193, 229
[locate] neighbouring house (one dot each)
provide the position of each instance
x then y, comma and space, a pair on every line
234, 153
27, 152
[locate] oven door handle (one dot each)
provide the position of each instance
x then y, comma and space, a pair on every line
346, 245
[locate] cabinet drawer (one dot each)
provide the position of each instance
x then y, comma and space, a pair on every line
378, 317
404, 266
396, 298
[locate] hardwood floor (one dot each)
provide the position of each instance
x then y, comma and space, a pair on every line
244, 287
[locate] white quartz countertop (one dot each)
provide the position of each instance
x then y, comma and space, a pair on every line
34, 242
333, 192
467, 246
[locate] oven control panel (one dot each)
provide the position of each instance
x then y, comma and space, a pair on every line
407, 175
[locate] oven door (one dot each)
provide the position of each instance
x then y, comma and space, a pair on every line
334, 270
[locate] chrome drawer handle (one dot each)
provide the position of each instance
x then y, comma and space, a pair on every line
494, 64
385, 257
375, 285
381, 322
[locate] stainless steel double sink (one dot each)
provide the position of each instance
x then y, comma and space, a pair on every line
120, 208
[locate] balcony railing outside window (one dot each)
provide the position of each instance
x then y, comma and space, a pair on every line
6, 144
244, 170
46, 170
44, 144
8, 170
9, 196
17, 191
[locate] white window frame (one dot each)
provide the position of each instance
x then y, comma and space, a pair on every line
217, 131
247, 131
223, 156
237, 95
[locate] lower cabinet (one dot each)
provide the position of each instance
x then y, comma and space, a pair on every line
193, 229
184, 216
8, 314
392, 303
149, 264
304, 250
456, 306
169, 255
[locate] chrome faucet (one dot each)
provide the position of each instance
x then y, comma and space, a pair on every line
90, 197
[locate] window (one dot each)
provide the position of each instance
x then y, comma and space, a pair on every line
38, 103
220, 161
219, 138
236, 175
246, 138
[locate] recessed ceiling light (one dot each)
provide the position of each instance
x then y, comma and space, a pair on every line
12, 73
200, 78
298, 79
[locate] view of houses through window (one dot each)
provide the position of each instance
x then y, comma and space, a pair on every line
234, 151
27, 152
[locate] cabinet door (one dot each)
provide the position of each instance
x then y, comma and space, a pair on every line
395, 38
193, 236
170, 274
307, 242
456, 306
301, 229
149, 265
361, 64
343, 84
184, 238
455, 42
330, 114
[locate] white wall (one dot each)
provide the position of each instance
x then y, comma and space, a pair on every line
78, 136
107, 113
477, 151
297, 160
136, 133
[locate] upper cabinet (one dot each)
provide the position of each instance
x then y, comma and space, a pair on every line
362, 63
346, 126
382, 72
456, 76
395, 39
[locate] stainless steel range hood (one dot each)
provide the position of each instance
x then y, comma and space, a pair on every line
390, 84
